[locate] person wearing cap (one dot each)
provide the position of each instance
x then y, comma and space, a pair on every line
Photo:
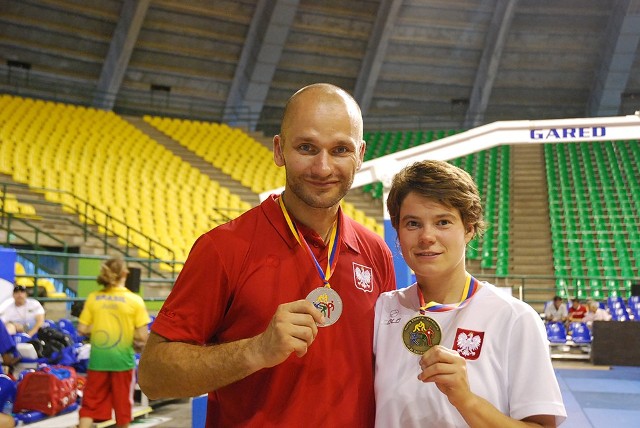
23, 314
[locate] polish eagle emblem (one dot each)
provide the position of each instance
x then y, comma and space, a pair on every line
468, 343
363, 277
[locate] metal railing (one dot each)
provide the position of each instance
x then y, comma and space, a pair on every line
527, 285
89, 216
70, 277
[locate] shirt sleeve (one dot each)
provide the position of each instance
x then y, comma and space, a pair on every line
196, 305
536, 391
39, 309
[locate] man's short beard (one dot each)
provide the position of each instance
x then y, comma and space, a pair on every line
313, 201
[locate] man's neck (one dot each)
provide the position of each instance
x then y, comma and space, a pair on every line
320, 220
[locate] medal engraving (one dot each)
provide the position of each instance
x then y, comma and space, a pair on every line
420, 334
327, 301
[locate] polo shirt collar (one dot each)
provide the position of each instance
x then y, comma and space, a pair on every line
272, 211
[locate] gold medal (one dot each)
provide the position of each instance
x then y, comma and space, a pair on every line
420, 334
327, 301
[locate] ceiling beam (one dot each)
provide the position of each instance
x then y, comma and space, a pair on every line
260, 55
122, 43
622, 38
376, 51
489, 62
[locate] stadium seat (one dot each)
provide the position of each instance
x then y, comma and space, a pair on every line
556, 332
50, 289
617, 308
580, 333
8, 389
619, 314
22, 280
615, 302
590, 207
21, 338
634, 308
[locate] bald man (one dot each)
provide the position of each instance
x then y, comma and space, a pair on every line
272, 314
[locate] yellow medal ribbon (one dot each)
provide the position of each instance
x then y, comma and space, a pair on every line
332, 257
470, 287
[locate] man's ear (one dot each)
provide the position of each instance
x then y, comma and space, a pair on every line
278, 156
363, 149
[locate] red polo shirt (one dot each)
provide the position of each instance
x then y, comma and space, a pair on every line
232, 282
579, 312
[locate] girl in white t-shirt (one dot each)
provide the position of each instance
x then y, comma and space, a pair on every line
451, 351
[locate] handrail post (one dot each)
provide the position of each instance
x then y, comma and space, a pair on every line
86, 222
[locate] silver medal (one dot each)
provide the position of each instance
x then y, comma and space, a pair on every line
327, 301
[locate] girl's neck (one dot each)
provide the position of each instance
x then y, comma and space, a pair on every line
444, 291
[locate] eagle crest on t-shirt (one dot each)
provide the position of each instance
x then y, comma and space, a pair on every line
363, 277
468, 343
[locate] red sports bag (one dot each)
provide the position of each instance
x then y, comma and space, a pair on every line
48, 390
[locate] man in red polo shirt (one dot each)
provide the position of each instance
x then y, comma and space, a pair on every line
272, 314
577, 311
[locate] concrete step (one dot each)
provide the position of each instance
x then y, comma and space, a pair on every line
530, 239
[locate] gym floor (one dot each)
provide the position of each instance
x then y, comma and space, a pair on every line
600, 396
594, 396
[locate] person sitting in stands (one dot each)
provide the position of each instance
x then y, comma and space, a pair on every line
556, 310
577, 311
23, 314
595, 313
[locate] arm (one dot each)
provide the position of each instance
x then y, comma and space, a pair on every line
36, 325
140, 337
6, 421
83, 329
447, 369
180, 369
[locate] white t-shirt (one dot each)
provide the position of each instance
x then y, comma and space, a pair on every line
556, 314
507, 352
25, 314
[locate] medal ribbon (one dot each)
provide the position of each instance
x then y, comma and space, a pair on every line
470, 288
332, 256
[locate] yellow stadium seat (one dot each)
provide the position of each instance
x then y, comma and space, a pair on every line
25, 281
10, 204
27, 209
19, 269
48, 286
